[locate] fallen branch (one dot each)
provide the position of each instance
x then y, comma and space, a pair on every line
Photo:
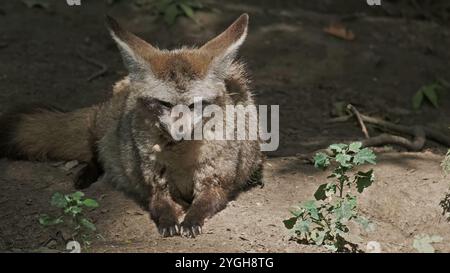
415, 145
430, 133
103, 68
419, 133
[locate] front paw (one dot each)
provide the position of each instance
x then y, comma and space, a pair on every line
168, 227
191, 229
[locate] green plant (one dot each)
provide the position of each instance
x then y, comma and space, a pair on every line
324, 221
430, 93
71, 214
170, 10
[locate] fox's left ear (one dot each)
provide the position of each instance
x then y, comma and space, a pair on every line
223, 48
135, 51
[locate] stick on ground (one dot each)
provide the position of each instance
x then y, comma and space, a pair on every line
419, 133
360, 120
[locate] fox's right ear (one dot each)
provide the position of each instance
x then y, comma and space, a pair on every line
224, 47
134, 50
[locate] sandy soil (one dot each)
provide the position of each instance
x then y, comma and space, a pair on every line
293, 63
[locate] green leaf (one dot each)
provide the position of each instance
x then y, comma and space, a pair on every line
325, 190
76, 195
346, 210
290, 223
321, 160
417, 100
331, 247
90, 203
338, 147
73, 210
87, 224
46, 220
344, 160
355, 147
311, 207
430, 93
318, 236
302, 226
365, 155
364, 180
171, 14
58, 200
187, 10
320, 192
423, 243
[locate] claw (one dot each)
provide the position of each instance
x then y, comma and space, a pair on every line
191, 232
183, 232
169, 231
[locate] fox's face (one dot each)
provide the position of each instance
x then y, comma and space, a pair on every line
163, 79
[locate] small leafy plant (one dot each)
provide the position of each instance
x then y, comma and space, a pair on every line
71, 214
324, 221
429, 93
170, 10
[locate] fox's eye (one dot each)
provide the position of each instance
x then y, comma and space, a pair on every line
165, 103
204, 103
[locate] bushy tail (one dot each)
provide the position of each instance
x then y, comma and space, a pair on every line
40, 133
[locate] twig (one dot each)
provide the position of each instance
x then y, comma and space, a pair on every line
103, 67
384, 139
409, 130
419, 133
360, 120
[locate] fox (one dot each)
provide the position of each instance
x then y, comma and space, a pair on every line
126, 142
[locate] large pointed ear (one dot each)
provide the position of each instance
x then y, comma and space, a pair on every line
223, 48
134, 50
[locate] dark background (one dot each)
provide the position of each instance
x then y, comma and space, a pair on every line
399, 47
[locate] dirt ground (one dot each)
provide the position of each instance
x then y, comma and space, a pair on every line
293, 64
